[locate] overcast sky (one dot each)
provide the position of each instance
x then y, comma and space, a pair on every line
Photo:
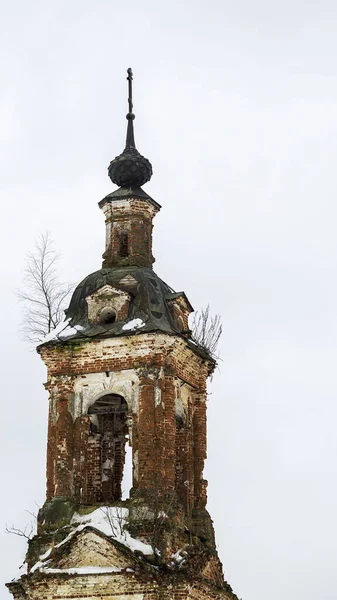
235, 107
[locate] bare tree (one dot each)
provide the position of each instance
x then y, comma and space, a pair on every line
43, 295
206, 330
28, 531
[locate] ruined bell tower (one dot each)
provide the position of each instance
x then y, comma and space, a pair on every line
125, 379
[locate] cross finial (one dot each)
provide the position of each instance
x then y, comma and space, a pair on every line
130, 138
130, 79
130, 168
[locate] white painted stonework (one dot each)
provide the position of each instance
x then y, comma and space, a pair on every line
88, 388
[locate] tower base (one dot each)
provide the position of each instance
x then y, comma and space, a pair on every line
113, 553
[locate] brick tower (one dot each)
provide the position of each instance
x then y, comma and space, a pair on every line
125, 377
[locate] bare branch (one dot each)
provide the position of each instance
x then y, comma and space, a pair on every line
28, 532
32, 514
43, 296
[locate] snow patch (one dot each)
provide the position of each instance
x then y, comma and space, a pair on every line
45, 555
112, 522
69, 331
178, 558
39, 565
134, 324
109, 520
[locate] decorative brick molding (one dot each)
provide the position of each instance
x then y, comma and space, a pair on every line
104, 298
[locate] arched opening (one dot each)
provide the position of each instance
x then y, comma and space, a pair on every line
106, 450
123, 243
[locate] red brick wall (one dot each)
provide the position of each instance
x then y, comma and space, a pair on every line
51, 458
168, 445
92, 472
199, 444
167, 456
134, 218
179, 315
112, 586
64, 454
147, 443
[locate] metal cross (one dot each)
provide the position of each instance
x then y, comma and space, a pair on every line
130, 78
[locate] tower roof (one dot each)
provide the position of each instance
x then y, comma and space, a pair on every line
150, 298
130, 168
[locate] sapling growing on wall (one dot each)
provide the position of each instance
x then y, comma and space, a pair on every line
43, 295
206, 330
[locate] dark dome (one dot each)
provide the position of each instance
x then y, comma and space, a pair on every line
148, 292
130, 168
149, 302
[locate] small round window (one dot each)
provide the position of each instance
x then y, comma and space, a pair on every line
107, 315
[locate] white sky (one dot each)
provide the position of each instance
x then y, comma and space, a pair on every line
235, 107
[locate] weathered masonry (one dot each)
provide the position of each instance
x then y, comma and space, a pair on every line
125, 379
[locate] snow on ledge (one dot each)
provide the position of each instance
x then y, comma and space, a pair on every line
62, 331
87, 570
53, 335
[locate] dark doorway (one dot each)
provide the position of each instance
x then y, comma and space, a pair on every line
106, 445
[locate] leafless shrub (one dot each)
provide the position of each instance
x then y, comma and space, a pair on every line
116, 519
43, 295
206, 330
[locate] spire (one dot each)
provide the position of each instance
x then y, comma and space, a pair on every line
130, 169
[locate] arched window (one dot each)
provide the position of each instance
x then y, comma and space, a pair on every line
106, 444
180, 323
123, 244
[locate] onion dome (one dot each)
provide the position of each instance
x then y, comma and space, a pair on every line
130, 168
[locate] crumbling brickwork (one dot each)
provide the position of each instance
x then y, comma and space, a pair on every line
180, 310
112, 586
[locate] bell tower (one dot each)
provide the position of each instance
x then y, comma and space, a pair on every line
125, 378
